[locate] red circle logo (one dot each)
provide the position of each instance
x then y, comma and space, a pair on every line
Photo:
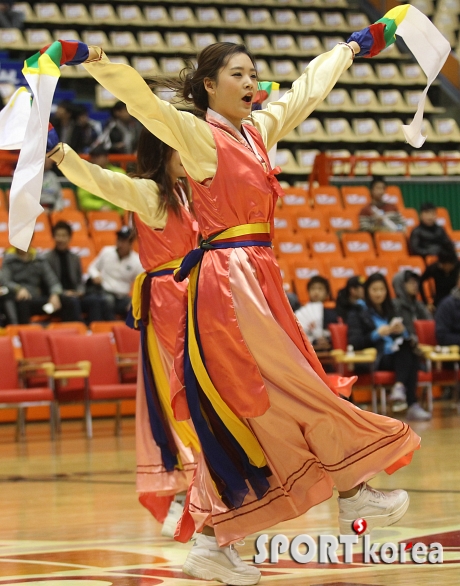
359, 526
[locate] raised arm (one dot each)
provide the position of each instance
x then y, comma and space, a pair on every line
309, 90
136, 195
182, 131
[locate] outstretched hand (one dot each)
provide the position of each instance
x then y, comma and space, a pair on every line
371, 40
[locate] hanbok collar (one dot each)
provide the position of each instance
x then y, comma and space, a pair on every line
245, 139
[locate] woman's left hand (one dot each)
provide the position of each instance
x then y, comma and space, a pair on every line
397, 328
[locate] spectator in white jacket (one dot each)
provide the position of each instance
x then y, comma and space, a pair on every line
113, 272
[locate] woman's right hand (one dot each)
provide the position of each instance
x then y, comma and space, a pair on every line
94, 53
384, 331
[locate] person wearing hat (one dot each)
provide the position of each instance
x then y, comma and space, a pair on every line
114, 270
428, 238
406, 286
349, 296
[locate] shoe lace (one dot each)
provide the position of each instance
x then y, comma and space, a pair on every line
234, 555
375, 493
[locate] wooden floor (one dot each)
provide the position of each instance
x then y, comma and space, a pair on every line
70, 515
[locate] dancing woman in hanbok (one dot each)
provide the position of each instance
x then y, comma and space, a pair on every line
275, 437
165, 448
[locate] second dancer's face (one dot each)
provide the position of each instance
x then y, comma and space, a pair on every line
175, 168
232, 94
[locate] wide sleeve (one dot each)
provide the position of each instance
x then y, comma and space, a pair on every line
182, 131
280, 117
136, 195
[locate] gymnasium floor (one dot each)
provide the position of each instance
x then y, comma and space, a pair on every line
70, 516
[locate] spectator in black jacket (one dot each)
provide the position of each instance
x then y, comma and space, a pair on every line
428, 237
35, 286
406, 286
374, 323
444, 273
448, 318
349, 296
67, 266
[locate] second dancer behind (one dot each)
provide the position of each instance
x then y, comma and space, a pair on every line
159, 197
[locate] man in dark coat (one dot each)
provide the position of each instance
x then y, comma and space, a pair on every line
428, 238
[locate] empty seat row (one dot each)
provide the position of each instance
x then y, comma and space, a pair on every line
185, 16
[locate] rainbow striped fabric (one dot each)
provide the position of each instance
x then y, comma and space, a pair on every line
429, 47
42, 72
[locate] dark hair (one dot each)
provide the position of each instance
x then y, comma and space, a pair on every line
447, 254
317, 279
118, 106
377, 179
190, 85
153, 156
387, 305
427, 206
98, 151
61, 225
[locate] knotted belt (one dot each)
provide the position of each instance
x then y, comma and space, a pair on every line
233, 454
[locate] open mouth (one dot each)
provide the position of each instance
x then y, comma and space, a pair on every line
247, 99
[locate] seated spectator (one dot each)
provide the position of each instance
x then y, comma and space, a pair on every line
8, 313
379, 216
428, 237
63, 121
87, 132
51, 197
349, 296
121, 134
314, 317
447, 318
88, 201
444, 273
67, 266
406, 286
374, 323
36, 287
113, 271
9, 17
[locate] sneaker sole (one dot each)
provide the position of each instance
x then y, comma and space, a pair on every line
398, 407
376, 520
205, 569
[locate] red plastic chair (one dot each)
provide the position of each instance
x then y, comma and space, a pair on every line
127, 342
103, 383
14, 396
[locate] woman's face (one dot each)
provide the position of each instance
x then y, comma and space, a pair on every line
233, 92
377, 293
175, 167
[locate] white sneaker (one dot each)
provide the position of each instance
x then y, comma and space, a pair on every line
379, 509
170, 523
417, 413
207, 561
398, 398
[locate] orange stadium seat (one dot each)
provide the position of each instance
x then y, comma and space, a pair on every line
377, 265
358, 245
326, 196
324, 245
391, 244
284, 220
109, 221
443, 219
296, 197
75, 218
410, 215
393, 195
355, 196
303, 272
343, 220
290, 246
412, 263
68, 196
339, 271
306, 222
102, 239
